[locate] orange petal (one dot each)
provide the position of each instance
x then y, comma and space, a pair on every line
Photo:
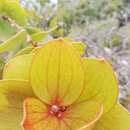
39, 116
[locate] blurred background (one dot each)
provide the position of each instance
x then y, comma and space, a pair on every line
103, 25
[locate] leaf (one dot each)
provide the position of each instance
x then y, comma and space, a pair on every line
12, 94
56, 73
26, 50
79, 46
6, 31
38, 116
32, 30
13, 41
39, 36
100, 83
13, 9
18, 67
116, 119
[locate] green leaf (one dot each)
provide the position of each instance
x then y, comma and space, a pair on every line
40, 36
32, 30
26, 50
6, 31
13, 41
37, 37
13, 9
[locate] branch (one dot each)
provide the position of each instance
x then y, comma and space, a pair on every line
11, 22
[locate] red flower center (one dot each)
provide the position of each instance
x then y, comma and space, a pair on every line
57, 111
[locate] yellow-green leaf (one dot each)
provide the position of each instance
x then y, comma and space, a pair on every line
39, 36
13, 9
116, 119
6, 31
13, 41
32, 30
26, 50
79, 46
18, 67
57, 73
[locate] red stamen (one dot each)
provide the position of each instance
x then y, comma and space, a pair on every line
57, 111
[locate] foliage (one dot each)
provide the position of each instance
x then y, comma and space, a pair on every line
13, 10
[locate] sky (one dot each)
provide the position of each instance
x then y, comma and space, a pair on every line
54, 1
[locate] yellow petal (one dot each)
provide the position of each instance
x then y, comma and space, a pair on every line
117, 119
100, 82
12, 94
39, 117
83, 115
18, 67
56, 73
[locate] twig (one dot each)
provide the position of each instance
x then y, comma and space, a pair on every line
19, 28
11, 22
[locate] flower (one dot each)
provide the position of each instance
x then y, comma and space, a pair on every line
63, 91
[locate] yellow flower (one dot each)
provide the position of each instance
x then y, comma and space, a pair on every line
61, 91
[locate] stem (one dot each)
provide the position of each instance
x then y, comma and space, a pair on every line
11, 22
19, 28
